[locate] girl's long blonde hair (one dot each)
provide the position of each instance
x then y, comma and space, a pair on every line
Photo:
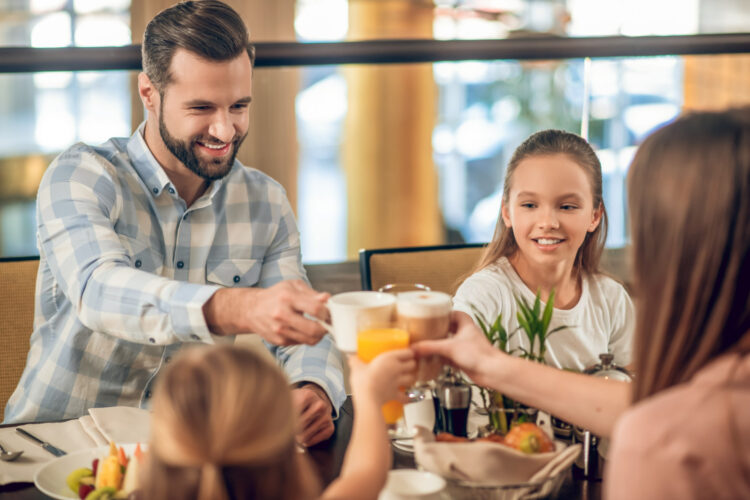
689, 199
544, 143
223, 427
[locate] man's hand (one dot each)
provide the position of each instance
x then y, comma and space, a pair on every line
314, 414
274, 313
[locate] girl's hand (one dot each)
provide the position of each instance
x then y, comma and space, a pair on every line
467, 349
385, 377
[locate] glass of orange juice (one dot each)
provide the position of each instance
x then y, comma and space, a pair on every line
374, 341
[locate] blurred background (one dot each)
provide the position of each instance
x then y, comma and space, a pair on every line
380, 155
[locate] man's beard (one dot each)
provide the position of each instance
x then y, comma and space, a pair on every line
211, 169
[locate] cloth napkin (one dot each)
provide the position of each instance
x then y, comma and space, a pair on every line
122, 424
68, 436
119, 424
486, 463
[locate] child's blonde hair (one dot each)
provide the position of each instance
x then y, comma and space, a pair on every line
223, 427
545, 143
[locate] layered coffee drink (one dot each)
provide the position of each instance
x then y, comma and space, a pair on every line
426, 316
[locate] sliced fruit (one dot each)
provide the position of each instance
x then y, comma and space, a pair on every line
104, 493
74, 478
130, 481
84, 490
122, 457
110, 473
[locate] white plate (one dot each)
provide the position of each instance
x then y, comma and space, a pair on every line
405, 445
50, 478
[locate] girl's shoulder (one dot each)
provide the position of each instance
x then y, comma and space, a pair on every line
605, 288
497, 276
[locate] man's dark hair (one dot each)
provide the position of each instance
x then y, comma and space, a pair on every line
208, 28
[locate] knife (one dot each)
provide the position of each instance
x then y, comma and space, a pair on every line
44, 444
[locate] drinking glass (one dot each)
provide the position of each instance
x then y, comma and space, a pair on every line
372, 342
425, 314
396, 288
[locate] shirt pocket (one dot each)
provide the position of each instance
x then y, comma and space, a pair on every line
234, 272
142, 256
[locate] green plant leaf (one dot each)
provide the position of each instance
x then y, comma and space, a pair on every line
548, 309
537, 304
557, 329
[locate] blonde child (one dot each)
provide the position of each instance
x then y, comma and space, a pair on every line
550, 235
682, 428
223, 427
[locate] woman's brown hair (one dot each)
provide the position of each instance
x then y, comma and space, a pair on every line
689, 199
223, 427
545, 143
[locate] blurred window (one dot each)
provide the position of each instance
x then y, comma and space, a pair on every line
47, 112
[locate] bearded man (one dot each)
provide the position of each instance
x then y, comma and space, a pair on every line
151, 243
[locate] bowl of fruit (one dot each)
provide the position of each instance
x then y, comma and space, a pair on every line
524, 460
103, 473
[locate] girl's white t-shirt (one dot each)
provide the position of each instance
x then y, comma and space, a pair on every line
601, 322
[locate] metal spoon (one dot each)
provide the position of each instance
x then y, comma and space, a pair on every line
7, 456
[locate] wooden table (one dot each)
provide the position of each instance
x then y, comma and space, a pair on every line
328, 457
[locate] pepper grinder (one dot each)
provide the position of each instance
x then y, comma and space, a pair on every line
454, 397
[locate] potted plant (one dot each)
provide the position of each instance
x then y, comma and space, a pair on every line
533, 322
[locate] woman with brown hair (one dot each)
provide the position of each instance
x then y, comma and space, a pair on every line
549, 238
682, 429
223, 428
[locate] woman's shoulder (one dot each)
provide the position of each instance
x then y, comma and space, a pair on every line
684, 413
677, 443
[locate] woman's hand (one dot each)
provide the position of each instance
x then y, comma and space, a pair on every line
385, 377
467, 349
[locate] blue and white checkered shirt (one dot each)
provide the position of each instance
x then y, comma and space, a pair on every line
126, 267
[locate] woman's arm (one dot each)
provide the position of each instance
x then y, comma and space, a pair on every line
368, 457
589, 402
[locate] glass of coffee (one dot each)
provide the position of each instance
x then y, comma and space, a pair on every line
425, 314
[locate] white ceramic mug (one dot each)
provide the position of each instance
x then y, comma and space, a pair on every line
420, 413
413, 484
352, 312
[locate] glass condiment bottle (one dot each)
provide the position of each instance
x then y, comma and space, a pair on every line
454, 397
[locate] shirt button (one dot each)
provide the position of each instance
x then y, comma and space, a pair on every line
171, 190
180, 264
148, 394
152, 340
138, 263
195, 337
155, 190
236, 279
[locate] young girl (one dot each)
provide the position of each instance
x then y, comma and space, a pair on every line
223, 427
682, 428
550, 235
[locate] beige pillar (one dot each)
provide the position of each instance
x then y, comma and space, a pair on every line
387, 151
271, 144
715, 82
